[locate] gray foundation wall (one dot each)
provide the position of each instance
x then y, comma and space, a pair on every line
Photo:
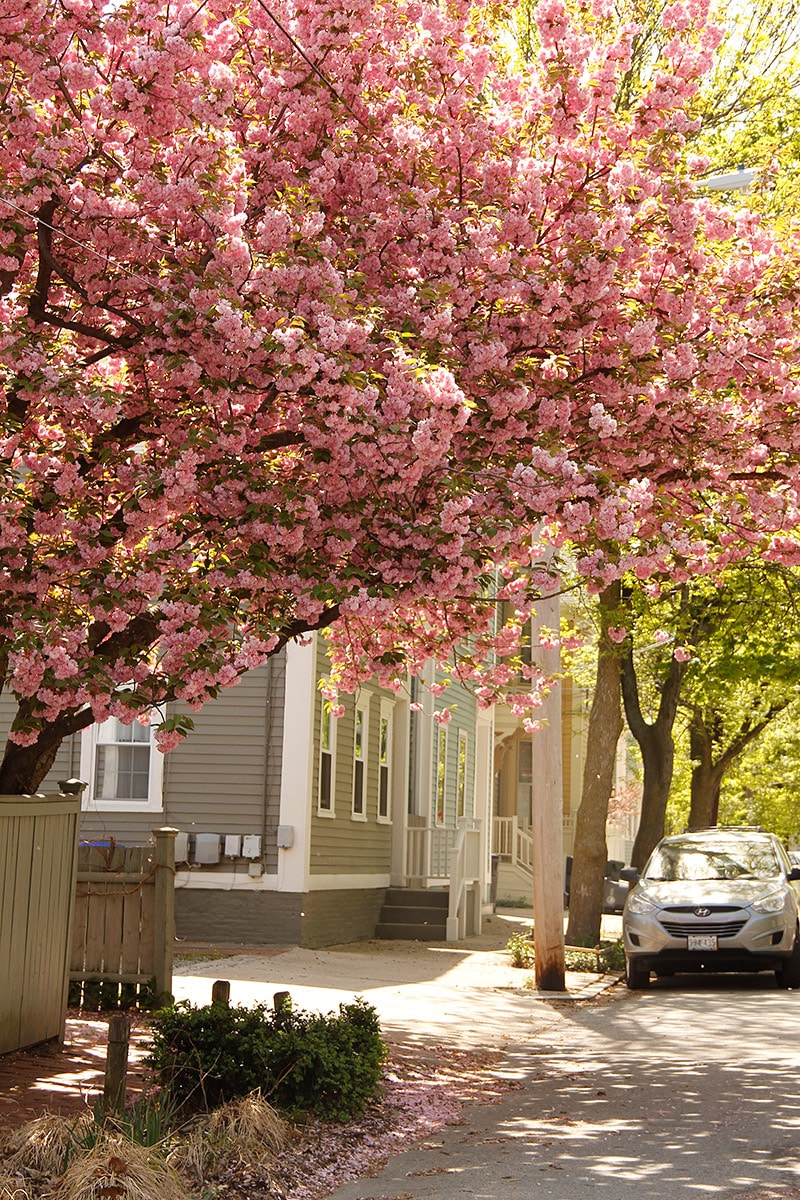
277, 918
347, 916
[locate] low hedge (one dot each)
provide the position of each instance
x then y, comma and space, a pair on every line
329, 1065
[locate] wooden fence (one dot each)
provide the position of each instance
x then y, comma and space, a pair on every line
123, 927
38, 842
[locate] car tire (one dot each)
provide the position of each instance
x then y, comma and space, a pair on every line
637, 976
788, 973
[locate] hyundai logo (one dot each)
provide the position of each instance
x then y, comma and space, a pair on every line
702, 912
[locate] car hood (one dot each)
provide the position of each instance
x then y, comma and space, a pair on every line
708, 892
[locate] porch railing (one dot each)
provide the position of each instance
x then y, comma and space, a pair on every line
513, 842
428, 849
464, 903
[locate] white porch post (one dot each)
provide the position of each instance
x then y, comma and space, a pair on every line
484, 771
401, 725
297, 765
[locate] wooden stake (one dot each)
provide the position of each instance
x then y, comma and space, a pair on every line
114, 1090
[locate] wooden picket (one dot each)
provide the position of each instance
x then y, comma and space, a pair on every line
124, 919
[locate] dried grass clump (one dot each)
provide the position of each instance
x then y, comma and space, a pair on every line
11, 1188
123, 1170
42, 1144
243, 1131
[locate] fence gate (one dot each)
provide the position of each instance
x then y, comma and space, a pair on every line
38, 841
123, 927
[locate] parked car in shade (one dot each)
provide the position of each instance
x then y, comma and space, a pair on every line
615, 889
720, 899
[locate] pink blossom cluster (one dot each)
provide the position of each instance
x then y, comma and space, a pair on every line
312, 314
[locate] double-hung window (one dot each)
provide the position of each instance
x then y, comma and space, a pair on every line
327, 755
122, 766
360, 742
385, 764
441, 774
461, 780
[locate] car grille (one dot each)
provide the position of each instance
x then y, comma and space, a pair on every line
722, 929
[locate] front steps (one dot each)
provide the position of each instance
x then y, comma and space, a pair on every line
514, 882
414, 915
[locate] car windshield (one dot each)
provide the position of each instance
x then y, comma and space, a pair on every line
740, 859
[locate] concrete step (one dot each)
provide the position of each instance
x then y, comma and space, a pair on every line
424, 897
414, 914
412, 932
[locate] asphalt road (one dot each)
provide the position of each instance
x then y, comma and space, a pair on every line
690, 1089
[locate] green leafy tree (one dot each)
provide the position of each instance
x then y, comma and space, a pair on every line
762, 786
747, 110
724, 652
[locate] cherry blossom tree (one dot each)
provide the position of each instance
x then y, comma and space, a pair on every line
311, 313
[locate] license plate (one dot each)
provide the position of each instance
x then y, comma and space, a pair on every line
702, 941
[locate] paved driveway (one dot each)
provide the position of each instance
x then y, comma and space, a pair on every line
689, 1090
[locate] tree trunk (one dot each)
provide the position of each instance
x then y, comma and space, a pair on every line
24, 767
706, 775
658, 751
705, 735
590, 853
658, 756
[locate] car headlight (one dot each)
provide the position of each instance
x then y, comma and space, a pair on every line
639, 905
773, 903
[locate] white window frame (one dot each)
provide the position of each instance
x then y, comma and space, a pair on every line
385, 760
326, 714
461, 773
90, 740
440, 778
362, 712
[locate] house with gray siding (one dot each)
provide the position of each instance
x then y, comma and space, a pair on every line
294, 823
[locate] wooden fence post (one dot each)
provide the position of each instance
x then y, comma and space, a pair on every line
164, 932
116, 1081
221, 992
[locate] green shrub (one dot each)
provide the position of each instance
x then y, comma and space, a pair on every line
520, 947
328, 1065
599, 959
614, 956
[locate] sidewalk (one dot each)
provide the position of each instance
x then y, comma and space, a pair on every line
466, 994
463, 994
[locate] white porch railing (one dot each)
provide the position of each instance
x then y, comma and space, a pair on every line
464, 908
513, 842
449, 857
428, 851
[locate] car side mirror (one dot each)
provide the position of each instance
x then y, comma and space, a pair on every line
794, 874
631, 875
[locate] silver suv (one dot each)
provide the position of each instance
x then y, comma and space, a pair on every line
720, 899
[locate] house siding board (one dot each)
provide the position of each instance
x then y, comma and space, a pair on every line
341, 845
464, 718
215, 781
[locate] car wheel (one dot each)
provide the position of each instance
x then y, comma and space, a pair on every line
788, 974
637, 976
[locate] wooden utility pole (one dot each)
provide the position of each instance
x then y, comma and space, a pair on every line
546, 814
